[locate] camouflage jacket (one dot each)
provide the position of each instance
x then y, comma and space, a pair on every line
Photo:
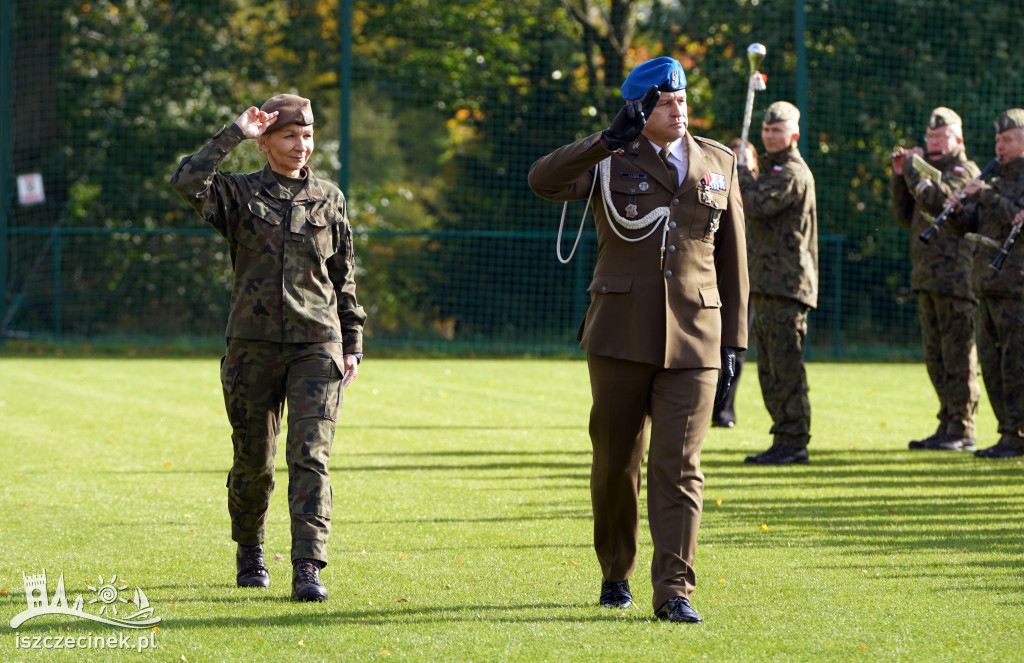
943, 265
782, 227
293, 259
990, 212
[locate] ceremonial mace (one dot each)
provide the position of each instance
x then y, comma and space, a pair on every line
755, 55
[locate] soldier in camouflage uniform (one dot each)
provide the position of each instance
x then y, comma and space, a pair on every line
990, 210
294, 331
782, 245
940, 276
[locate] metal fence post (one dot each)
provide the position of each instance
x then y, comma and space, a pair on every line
800, 46
6, 153
345, 83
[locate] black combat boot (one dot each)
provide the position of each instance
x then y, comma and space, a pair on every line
306, 585
252, 570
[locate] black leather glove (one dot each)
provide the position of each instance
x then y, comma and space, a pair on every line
728, 373
631, 119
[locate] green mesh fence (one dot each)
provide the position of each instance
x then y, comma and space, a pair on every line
429, 114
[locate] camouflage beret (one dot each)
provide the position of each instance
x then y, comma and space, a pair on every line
1011, 119
781, 111
942, 117
291, 109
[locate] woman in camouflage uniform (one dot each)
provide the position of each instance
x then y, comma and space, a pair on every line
294, 331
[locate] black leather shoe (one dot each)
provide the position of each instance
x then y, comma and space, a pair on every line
780, 455
1000, 450
616, 594
950, 443
722, 423
923, 444
677, 609
306, 585
252, 570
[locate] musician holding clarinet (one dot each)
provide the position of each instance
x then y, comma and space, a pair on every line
941, 277
992, 210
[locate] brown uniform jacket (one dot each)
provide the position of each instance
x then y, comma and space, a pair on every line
942, 265
680, 313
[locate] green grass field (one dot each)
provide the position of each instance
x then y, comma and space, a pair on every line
462, 524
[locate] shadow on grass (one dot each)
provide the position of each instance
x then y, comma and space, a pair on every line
489, 613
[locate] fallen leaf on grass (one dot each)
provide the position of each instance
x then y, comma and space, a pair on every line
167, 464
401, 600
4, 592
571, 561
460, 560
721, 582
403, 556
192, 531
156, 628
718, 503
301, 643
764, 527
384, 652
863, 647
278, 557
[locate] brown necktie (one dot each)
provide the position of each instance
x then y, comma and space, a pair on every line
673, 173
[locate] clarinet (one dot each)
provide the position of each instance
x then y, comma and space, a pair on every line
997, 264
934, 228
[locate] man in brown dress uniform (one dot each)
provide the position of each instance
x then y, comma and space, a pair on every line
667, 315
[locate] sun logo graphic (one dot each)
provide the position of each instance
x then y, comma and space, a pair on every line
107, 595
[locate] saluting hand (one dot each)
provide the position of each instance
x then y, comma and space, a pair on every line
631, 119
1018, 218
254, 122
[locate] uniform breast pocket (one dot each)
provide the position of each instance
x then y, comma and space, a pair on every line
255, 231
711, 205
325, 234
632, 196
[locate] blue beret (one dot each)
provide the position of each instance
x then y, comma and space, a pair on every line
664, 72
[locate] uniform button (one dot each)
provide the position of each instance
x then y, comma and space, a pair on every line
675, 201
632, 189
586, 143
671, 224
604, 288
672, 249
668, 273
716, 204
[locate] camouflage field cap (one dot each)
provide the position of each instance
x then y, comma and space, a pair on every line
942, 117
291, 109
781, 111
1011, 119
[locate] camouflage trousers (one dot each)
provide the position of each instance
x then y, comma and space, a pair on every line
259, 378
950, 353
780, 333
1001, 355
